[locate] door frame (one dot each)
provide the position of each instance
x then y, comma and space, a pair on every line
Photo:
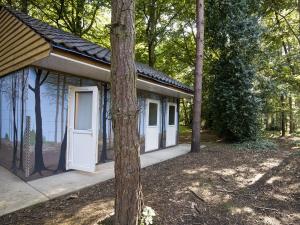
70, 124
175, 121
148, 101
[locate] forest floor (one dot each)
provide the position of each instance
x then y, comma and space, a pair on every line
221, 185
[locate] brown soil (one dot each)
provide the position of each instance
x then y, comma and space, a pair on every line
218, 186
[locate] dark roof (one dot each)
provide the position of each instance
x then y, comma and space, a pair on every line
69, 42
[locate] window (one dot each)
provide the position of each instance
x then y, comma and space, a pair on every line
83, 110
152, 114
171, 115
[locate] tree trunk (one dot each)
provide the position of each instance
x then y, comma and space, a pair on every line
150, 32
195, 147
21, 167
0, 112
62, 156
56, 110
14, 111
103, 156
151, 54
39, 165
292, 130
125, 114
282, 99
62, 108
24, 6
298, 18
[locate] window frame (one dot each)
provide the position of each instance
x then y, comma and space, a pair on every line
149, 101
175, 114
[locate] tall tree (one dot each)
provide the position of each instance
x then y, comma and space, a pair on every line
195, 147
234, 105
155, 19
75, 16
125, 114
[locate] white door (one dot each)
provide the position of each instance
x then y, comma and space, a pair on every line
82, 128
171, 128
152, 125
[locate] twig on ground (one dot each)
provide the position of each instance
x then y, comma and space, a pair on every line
197, 196
197, 210
226, 191
223, 179
265, 208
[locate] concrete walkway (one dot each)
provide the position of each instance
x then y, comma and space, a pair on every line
16, 194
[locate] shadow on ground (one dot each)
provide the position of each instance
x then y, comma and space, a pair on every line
220, 185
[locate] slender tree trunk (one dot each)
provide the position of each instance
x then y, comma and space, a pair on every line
21, 167
291, 115
62, 156
195, 147
62, 108
39, 165
283, 121
24, 6
128, 191
15, 129
103, 156
0, 112
150, 32
56, 110
298, 7
151, 54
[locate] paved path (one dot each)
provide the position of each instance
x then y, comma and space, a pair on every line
16, 194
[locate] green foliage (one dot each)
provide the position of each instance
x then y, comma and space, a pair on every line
257, 145
246, 67
184, 130
234, 107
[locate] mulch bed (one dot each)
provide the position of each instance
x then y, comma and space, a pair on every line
218, 186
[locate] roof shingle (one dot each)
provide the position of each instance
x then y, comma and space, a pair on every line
69, 42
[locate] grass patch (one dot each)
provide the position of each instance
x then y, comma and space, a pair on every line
296, 143
184, 129
257, 145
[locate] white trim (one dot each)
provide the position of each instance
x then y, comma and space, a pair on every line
175, 126
171, 89
70, 127
157, 126
80, 62
138, 79
175, 116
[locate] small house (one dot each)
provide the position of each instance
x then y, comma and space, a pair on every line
55, 100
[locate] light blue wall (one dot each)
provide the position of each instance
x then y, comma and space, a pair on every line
54, 104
